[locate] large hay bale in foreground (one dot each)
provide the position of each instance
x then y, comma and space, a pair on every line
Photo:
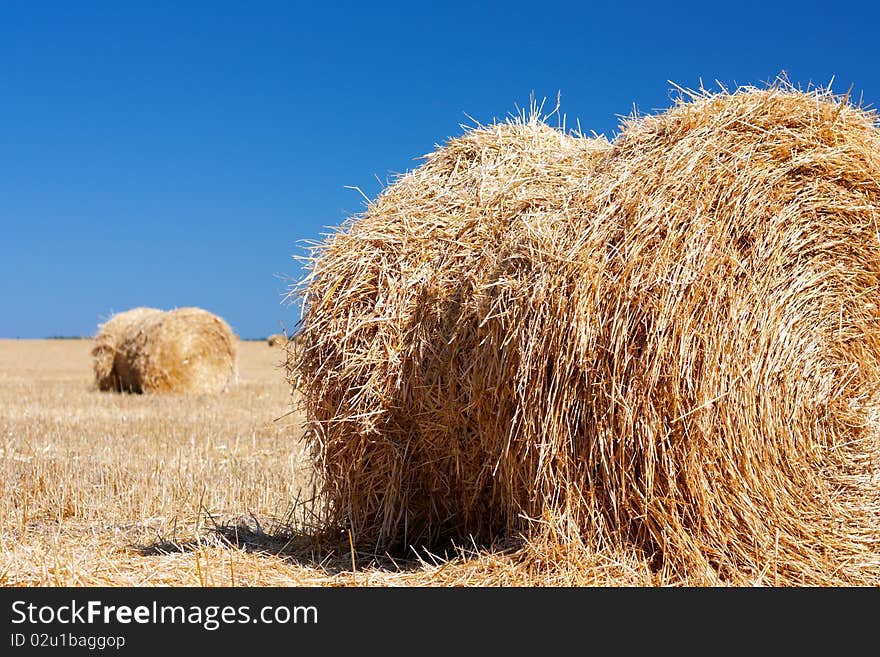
182, 350
673, 345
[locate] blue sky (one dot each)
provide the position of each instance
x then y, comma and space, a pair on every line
178, 153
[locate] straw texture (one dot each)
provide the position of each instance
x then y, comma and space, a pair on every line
668, 343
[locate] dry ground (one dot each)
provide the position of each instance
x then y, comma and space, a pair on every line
107, 489
92, 480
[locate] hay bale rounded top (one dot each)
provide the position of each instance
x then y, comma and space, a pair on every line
182, 350
671, 345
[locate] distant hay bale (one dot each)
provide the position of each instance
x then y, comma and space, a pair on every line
182, 350
671, 343
276, 339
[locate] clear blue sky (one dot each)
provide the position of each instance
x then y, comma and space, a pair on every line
176, 153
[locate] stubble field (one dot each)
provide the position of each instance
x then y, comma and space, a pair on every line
97, 486
107, 489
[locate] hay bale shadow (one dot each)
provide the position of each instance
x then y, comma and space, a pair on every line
302, 544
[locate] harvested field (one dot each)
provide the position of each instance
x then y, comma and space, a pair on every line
91, 479
195, 490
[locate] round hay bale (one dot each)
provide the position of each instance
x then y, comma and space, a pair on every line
182, 350
107, 342
671, 344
